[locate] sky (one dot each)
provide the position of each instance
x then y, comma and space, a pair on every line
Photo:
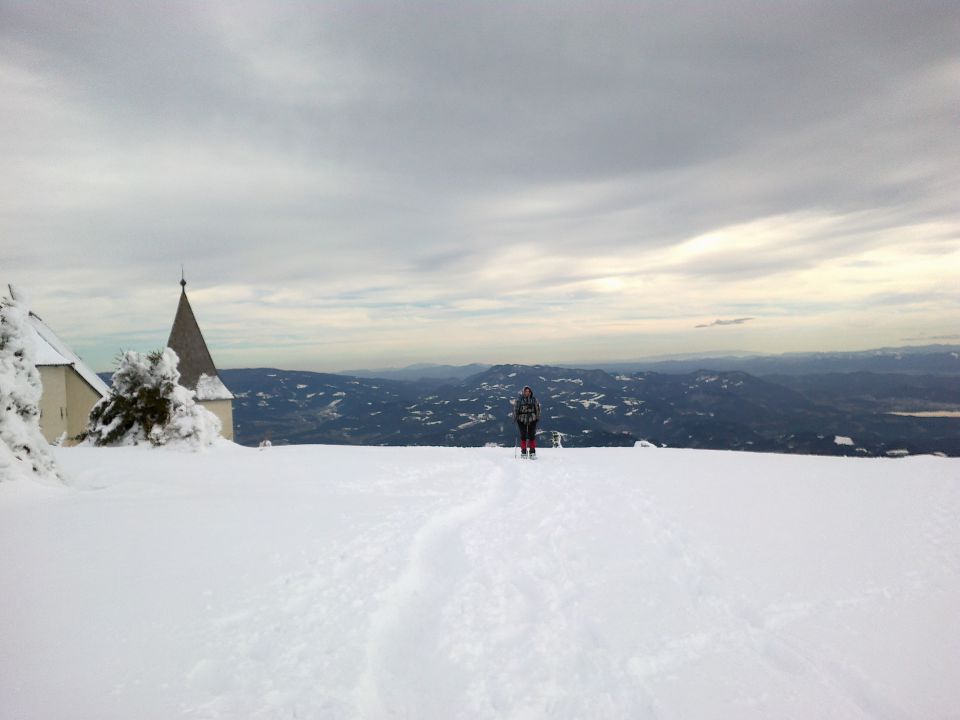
373, 184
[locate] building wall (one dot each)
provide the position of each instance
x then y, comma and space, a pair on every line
223, 409
80, 401
66, 402
53, 401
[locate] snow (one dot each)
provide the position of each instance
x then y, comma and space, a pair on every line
592, 401
929, 413
190, 423
212, 388
45, 352
474, 419
842, 440
51, 350
330, 411
24, 452
139, 377
343, 582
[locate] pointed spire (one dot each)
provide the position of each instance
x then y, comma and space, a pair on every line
187, 341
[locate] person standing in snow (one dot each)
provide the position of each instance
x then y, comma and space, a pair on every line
526, 413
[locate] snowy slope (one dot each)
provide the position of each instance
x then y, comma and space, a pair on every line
343, 582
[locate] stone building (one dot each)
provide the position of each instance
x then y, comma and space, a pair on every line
197, 371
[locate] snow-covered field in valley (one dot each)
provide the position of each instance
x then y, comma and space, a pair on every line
340, 582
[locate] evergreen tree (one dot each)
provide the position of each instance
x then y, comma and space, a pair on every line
24, 452
147, 403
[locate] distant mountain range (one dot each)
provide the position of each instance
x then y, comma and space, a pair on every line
926, 359
817, 403
929, 359
830, 414
421, 371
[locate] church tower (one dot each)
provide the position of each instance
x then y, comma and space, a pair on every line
197, 371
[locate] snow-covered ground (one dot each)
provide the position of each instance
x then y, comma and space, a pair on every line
339, 582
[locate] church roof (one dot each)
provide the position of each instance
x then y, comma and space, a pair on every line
51, 350
197, 371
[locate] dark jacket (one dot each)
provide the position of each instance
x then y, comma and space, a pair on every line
526, 410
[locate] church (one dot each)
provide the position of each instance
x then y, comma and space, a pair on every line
70, 387
197, 371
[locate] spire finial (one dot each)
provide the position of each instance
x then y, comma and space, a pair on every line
183, 280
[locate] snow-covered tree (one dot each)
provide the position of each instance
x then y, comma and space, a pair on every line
147, 403
23, 450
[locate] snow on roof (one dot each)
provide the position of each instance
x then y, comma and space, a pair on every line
212, 388
51, 350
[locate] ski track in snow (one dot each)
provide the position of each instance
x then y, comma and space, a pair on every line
471, 585
516, 623
376, 591
392, 682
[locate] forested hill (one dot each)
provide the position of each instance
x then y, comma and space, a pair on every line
829, 414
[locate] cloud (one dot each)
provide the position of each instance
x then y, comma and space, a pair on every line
930, 338
339, 163
736, 321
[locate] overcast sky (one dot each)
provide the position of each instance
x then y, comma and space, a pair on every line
371, 184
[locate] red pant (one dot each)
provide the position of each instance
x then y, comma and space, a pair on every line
528, 435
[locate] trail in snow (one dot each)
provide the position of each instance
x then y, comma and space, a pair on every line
393, 681
325, 582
